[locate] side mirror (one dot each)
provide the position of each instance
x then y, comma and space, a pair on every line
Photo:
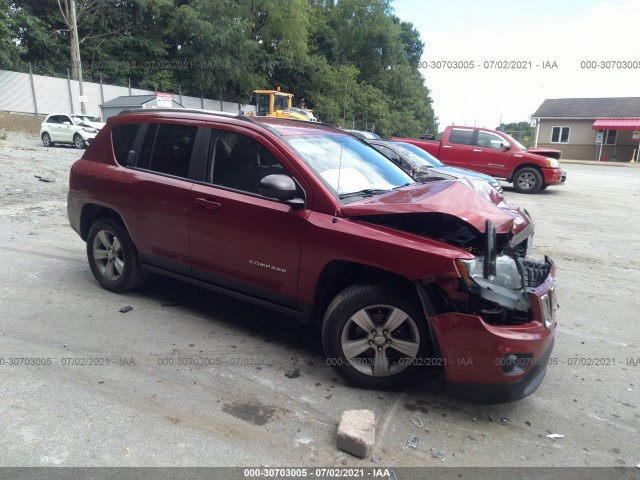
281, 187
506, 148
66, 123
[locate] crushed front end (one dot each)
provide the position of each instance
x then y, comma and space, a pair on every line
498, 321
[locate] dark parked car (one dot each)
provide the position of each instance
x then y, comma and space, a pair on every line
423, 166
363, 134
308, 220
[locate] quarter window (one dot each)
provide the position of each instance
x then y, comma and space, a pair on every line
560, 134
123, 137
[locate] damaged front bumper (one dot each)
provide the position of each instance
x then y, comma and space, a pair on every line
489, 363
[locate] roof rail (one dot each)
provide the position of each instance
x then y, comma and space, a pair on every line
217, 113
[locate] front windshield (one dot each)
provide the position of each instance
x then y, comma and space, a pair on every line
281, 102
418, 155
348, 167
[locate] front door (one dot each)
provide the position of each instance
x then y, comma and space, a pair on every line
238, 238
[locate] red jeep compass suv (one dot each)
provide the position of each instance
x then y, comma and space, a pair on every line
310, 221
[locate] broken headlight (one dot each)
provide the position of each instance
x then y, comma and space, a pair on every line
507, 274
504, 287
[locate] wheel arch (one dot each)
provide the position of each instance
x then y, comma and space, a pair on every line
524, 165
92, 212
340, 274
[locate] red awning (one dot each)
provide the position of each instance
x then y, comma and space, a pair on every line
616, 124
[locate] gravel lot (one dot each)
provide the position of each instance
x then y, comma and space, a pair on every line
285, 412
25, 196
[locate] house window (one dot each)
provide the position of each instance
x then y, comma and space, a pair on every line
610, 137
560, 134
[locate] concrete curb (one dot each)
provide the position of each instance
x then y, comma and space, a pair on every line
594, 162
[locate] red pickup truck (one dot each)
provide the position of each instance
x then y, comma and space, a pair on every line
497, 154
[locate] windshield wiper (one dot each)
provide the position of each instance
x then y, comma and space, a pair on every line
405, 185
363, 192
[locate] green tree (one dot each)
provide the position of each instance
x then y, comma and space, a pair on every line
10, 51
521, 131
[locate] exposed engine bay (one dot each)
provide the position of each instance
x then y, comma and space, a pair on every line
495, 284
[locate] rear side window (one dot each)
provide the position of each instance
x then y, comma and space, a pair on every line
461, 136
123, 137
167, 149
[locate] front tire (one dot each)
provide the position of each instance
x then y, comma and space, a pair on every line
527, 180
78, 141
374, 337
112, 256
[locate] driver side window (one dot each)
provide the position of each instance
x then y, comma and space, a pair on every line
489, 140
239, 162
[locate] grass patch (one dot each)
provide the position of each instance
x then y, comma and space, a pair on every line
3, 135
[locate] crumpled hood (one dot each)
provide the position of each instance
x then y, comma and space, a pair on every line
473, 201
462, 173
96, 125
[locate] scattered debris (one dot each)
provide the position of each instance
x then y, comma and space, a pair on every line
45, 179
528, 423
126, 309
417, 422
375, 395
555, 435
438, 455
504, 419
413, 442
356, 432
637, 465
295, 373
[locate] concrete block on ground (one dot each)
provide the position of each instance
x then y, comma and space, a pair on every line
357, 432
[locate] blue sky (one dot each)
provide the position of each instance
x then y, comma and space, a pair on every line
535, 33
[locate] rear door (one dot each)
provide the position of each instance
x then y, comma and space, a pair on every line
155, 192
65, 132
458, 148
239, 239
54, 125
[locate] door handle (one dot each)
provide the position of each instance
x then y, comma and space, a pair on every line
477, 150
446, 146
208, 204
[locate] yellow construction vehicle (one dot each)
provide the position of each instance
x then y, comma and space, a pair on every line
274, 103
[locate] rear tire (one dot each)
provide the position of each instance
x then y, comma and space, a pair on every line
527, 180
46, 140
374, 336
113, 257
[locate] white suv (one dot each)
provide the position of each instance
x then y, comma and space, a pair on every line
77, 130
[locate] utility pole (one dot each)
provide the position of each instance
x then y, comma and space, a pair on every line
69, 16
